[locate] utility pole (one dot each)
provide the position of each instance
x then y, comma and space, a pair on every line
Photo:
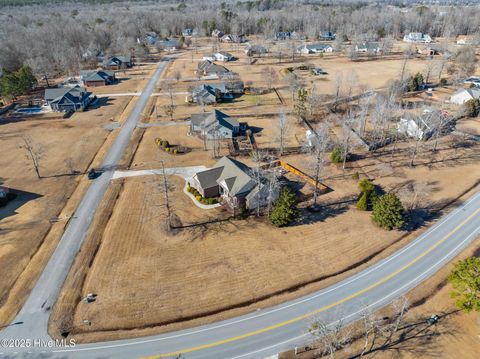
165, 187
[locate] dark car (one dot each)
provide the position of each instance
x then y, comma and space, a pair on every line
92, 174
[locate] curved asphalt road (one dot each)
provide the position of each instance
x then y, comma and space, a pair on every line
261, 333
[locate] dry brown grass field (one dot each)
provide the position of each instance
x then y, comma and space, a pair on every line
32, 224
149, 280
197, 275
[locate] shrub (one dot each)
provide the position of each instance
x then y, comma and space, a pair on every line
443, 81
174, 151
414, 82
167, 149
198, 197
362, 202
336, 155
388, 211
472, 107
356, 176
367, 196
284, 210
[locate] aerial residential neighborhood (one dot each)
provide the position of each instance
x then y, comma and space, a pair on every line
239, 179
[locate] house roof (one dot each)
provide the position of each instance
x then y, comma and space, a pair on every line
209, 67
226, 54
472, 92
369, 45
94, 75
232, 173
72, 93
317, 46
213, 120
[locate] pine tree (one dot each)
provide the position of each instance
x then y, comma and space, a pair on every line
285, 210
388, 211
465, 279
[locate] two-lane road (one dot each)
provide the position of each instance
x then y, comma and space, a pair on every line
268, 331
255, 335
36, 310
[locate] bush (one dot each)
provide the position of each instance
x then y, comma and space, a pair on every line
356, 176
284, 210
414, 82
388, 211
472, 107
198, 197
174, 151
367, 196
443, 81
167, 149
362, 202
336, 156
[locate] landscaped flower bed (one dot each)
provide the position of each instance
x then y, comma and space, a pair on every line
169, 148
199, 197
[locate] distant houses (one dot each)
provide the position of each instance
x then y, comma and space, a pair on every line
187, 32
255, 50
93, 78
118, 62
215, 125
169, 45
326, 36
315, 48
417, 37
287, 35
217, 34
219, 56
368, 47
66, 99
231, 38
210, 69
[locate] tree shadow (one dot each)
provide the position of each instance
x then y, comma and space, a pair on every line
323, 212
20, 198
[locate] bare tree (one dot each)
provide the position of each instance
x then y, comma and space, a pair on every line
34, 153
330, 337
317, 155
270, 76
338, 88
281, 132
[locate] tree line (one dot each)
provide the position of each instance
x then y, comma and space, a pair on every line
60, 39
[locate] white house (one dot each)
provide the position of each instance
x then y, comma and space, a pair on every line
315, 48
417, 37
223, 56
463, 95
368, 47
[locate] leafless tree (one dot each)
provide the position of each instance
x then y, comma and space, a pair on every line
34, 153
338, 88
317, 155
177, 75
270, 76
330, 337
282, 130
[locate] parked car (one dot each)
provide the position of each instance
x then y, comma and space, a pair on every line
318, 71
92, 174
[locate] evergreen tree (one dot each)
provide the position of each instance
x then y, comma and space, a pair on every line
285, 210
336, 155
388, 211
465, 279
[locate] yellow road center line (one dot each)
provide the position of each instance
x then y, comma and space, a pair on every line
317, 311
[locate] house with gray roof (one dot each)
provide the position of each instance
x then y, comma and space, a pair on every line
97, 77
369, 46
215, 125
67, 99
326, 36
210, 69
210, 94
234, 182
118, 62
255, 50
463, 95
